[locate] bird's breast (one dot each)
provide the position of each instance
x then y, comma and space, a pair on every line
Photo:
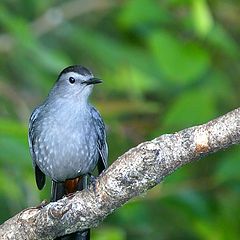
67, 145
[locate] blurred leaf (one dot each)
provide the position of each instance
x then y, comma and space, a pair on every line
15, 152
191, 108
223, 41
133, 81
117, 108
177, 177
220, 86
134, 212
10, 188
181, 63
207, 231
180, 2
136, 13
109, 233
50, 59
13, 139
228, 169
195, 202
26, 42
10, 127
202, 17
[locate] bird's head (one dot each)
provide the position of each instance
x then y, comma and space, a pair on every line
75, 81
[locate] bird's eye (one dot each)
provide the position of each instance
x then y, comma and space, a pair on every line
72, 80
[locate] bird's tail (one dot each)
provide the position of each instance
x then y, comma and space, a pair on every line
59, 189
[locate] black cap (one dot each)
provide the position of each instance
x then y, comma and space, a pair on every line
77, 69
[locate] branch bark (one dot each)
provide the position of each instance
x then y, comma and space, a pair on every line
136, 171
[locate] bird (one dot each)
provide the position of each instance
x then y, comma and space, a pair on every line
67, 137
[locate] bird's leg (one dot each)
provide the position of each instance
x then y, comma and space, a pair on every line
85, 234
83, 183
58, 191
92, 182
92, 179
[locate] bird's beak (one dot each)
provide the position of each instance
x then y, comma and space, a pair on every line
92, 81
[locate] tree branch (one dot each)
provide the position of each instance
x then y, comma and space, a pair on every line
136, 171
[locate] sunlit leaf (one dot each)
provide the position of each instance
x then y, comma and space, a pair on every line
202, 17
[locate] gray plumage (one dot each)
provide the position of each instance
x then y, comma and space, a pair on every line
66, 134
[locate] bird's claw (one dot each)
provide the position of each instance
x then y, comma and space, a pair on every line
42, 204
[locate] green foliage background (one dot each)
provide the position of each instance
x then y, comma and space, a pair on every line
166, 65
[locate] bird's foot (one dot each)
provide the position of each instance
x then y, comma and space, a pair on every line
42, 204
92, 182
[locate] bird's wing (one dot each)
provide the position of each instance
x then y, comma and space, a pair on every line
32, 134
101, 143
39, 175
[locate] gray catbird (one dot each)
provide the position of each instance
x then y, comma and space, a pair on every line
67, 136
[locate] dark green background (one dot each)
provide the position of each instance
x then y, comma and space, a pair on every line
166, 65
